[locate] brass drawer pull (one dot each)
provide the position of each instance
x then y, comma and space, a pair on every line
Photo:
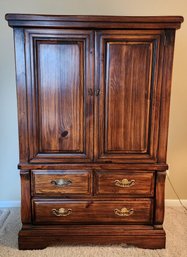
61, 212
61, 182
124, 183
124, 212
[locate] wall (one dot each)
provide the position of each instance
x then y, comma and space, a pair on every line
177, 148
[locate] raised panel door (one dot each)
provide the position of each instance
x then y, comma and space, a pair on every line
60, 109
127, 107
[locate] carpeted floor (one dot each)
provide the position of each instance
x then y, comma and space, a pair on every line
175, 225
3, 216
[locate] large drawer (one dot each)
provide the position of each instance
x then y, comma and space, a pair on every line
137, 211
58, 183
131, 183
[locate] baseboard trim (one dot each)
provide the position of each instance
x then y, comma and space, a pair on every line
9, 204
175, 202
168, 202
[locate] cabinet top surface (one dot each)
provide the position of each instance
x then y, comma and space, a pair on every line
40, 20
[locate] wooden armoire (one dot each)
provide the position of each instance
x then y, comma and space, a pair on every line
93, 108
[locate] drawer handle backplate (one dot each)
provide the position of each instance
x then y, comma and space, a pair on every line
61, 182
124, 183
61, 212
124, 212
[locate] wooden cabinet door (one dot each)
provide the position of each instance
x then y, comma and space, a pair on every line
59, 77
127, 108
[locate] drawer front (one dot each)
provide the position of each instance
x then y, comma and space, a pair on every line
58, 183
129, 183
63, 212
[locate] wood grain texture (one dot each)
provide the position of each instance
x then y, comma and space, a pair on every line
93, 108
160, 199
94, 212
26, 215
43, 182
127, 69
128, 96
165, 94
143, 186
85, 21
21, 94
98, 166
40, 237
60, 93
59, 74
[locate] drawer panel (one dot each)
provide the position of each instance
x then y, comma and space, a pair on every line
86, 212
58, 183
129, 183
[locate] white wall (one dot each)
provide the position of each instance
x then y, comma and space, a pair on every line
177, 149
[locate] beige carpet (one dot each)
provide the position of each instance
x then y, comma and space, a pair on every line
175, 225
3, 216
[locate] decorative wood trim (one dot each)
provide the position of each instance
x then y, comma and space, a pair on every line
98, 166
17, 203
39, 238
84, 21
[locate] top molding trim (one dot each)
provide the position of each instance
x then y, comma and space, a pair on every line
85, 21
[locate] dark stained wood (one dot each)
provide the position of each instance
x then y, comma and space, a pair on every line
127, 70
95, 234
128, 96
25, 197
92, 211
98, 166
74, 229
141, 184
59, 75
93, 110
165, 95
21, 94
60, 64
43, 182
160, 198
127, 22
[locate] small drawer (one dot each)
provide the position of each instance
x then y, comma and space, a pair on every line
92, 212
124, 183
58, 183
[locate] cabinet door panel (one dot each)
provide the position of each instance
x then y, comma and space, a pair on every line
60, 96
61, 115
127, 109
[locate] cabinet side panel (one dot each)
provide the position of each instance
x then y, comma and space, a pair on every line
21, 93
